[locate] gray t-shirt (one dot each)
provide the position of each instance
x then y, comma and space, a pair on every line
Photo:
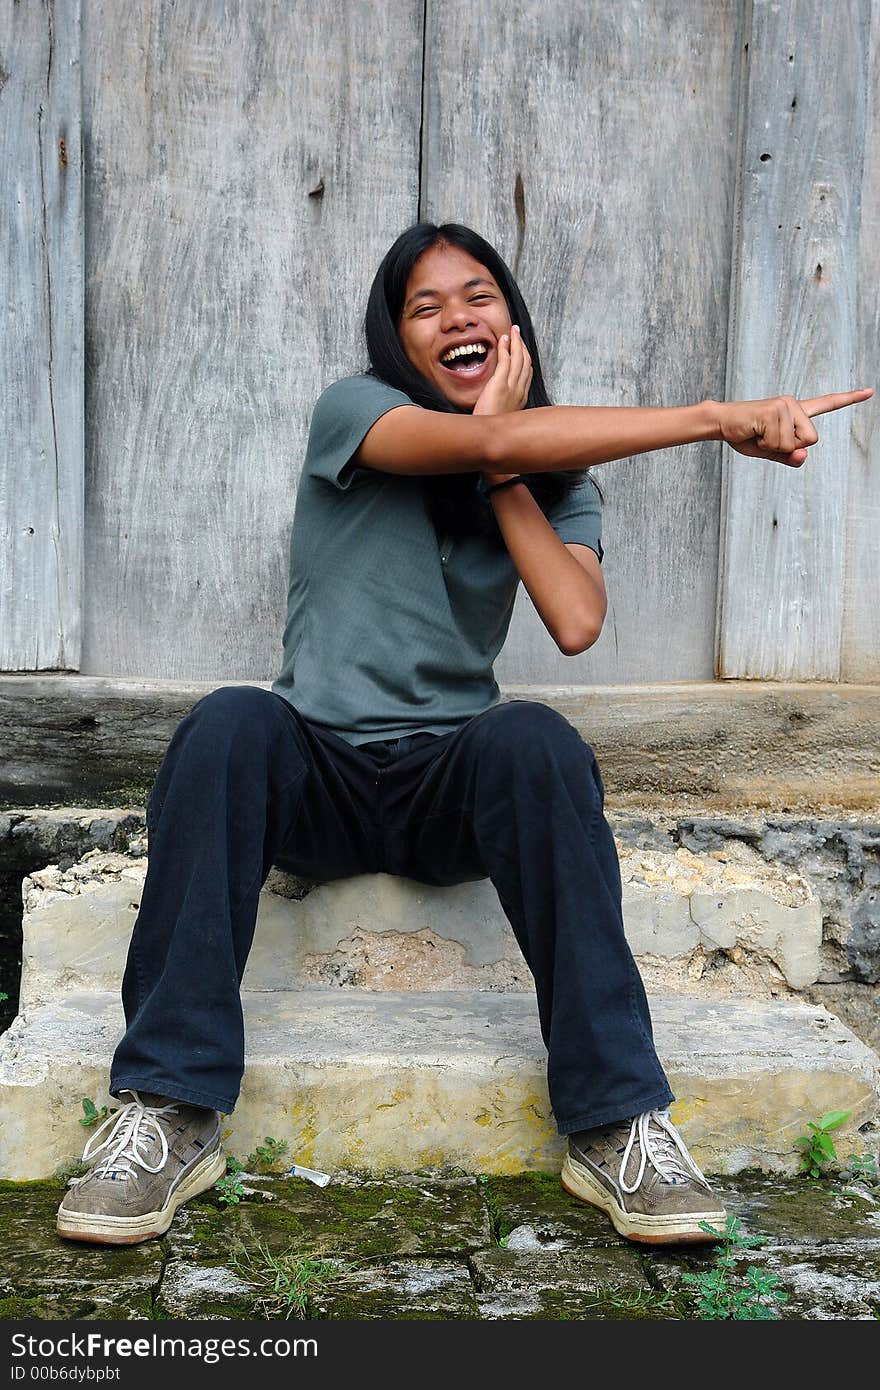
389, 632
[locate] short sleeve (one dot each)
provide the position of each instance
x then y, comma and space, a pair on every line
577, 517
343, 415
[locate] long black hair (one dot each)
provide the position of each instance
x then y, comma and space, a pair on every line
457, 506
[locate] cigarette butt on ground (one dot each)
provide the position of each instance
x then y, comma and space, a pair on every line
320, 1179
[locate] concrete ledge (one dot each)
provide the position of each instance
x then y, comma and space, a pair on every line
727, 743
394, 1082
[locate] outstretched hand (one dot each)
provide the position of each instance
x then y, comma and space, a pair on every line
780, 429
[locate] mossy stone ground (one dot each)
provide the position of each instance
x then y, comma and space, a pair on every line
431, 1246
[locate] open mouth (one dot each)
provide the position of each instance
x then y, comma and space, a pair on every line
467, 360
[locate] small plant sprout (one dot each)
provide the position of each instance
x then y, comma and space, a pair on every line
230, 1189
818, 1146
91, 1114
720, 1296
862, 1168
267, 1156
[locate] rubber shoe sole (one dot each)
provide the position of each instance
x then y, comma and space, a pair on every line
129, 1230
650, 1230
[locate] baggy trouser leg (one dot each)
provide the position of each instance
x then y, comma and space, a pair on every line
225, 796
538, 819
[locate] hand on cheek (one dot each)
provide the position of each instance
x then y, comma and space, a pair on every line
508, 387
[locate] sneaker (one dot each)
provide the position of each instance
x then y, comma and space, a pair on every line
641, 1174
158, 1153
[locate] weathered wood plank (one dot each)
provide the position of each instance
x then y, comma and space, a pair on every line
860, 654
793, 320
594, 144
41, 346
713, 745
249, 166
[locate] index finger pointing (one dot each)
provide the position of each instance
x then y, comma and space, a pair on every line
836, 400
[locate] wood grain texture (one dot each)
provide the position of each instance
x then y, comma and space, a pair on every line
595, 145
248, 167
793, 327
41, 346
860, 647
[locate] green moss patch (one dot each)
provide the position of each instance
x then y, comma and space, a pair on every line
364, 1219
801, 1212
539, 1201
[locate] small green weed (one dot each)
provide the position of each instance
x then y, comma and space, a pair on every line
91, 1114
3, 996
862, 1168
624, 1300
230, 1189
719, 1297
818, 1146
289, 1282
267, 1156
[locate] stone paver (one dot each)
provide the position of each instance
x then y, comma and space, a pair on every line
436, 1246
44, 1277
573, 1282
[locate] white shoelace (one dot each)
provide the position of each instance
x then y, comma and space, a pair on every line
665, 1151
135, 1125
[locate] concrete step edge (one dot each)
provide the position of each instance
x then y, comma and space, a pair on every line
458, 1080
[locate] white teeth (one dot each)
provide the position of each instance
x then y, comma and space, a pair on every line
466, 350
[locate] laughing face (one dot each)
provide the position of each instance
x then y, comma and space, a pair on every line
453, 316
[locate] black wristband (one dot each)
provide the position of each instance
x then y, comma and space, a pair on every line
509, 482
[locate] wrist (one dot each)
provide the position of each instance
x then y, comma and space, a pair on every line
490, 479
509, 483
709, 416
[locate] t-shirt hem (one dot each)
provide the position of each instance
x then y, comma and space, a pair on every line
358, 736
384, 735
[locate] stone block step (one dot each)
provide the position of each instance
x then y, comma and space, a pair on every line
722, 921
396, 1081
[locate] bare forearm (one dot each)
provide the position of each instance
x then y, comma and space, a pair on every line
569, 602
554, 438
548, 439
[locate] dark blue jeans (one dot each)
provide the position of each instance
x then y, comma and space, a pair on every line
514, 795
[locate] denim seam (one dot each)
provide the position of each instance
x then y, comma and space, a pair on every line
138, 971
599, 809
639, 1021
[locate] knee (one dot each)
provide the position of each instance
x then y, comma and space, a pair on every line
534, 756
532, 741
232, 704
232, 716
235, 734
528, 729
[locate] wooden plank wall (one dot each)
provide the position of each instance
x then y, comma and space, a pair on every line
248, 166
41, 356
595, 145
860, 654
793, 329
